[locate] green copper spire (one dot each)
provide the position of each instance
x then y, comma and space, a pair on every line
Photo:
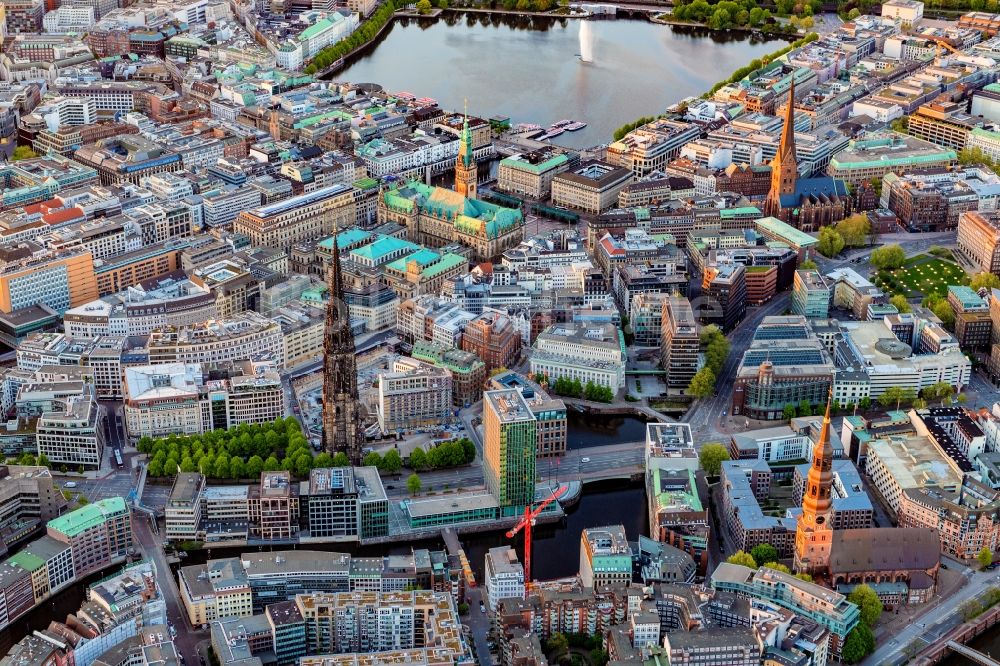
465, 149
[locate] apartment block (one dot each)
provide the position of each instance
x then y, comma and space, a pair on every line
183, 508
592, 188
100, 534
73, 434
413, 395
504, 575
979, 239
587, 353
468, 372
509, 447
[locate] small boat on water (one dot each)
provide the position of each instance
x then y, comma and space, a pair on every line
562, 123
574, 126
555, 131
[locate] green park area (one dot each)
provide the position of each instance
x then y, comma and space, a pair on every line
920, 276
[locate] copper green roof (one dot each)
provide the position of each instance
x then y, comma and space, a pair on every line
469, 216
319, 26
335, 114
726, 213
786, 231
382, 247
89, 516
541, 167
27, 561
346, 238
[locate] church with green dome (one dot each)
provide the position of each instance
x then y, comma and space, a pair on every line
437, 216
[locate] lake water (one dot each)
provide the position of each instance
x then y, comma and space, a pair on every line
528, 67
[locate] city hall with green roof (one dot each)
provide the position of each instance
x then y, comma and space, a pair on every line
436, 216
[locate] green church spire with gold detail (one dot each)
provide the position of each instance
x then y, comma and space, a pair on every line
465, 145
465, 166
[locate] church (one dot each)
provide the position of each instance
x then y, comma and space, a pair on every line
805, 203
900, 563
437, 216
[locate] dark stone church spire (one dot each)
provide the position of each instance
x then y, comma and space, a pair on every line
342, 423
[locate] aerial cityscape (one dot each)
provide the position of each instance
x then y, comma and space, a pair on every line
499, 333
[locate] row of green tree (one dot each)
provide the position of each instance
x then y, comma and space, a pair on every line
390, 463
893, 397
452, 453
738, 75
365, 33
725, 14
715, 346
757, 64
973, 608
574, 388
237, 453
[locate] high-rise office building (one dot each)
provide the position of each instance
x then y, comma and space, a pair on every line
509, 447
680, 343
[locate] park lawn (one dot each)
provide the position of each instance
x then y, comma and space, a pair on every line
923, 275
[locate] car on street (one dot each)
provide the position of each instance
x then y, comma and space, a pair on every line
584, 460
70, 484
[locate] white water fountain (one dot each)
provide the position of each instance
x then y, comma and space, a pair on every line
586, 42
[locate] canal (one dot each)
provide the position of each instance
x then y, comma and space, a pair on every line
584, 430
557, 545
528, 68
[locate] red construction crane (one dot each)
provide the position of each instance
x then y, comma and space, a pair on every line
526, 523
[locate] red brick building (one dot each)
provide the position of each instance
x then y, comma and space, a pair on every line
493, 338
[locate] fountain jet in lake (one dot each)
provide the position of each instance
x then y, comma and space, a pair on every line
586, 42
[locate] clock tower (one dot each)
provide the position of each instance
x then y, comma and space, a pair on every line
814, 533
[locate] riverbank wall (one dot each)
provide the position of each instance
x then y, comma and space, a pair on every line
963, 633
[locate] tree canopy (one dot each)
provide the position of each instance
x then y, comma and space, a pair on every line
763, 553
742, 558
413, 484
858, 644
887, 257
855, 230
868, 603
985, 281
830, 242
901, 303
711, 458
702, 385
236, 453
